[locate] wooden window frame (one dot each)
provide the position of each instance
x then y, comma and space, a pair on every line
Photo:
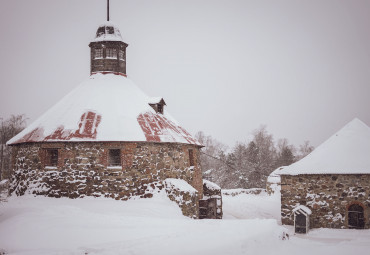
51, 157
121, 55
191, 157
98, 53
114, 160
111, 53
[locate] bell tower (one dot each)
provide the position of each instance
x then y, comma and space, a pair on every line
107, 50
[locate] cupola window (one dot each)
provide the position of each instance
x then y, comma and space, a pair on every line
111, 53
98, 53
121, 55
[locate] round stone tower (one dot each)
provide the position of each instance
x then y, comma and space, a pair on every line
108, 138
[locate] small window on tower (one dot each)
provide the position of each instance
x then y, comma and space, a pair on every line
114, 157
191, 157
121, 55
98, 53
51, 157
111, 53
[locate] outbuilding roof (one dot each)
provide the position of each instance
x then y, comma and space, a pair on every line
105, 107
346, 152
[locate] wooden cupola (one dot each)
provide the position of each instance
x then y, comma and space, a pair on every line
107, 50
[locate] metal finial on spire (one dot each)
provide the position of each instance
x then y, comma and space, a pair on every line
107, 10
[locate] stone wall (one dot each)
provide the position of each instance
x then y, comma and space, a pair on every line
184, 195
82, 169
327, 195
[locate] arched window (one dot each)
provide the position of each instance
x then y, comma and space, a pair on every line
356, 216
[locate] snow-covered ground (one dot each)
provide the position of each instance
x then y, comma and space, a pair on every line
40, 225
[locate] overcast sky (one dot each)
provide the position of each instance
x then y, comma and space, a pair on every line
302, 68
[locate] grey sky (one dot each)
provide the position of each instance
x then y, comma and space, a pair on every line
224, 67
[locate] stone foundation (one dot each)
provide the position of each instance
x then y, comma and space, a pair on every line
82, 169
328, 196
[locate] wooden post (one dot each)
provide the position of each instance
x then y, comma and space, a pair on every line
2, 149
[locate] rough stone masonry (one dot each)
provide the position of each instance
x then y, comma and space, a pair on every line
82, 169
328, 196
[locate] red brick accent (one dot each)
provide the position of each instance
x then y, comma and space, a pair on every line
116, 73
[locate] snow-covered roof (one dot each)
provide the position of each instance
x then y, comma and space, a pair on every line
105, 107
274, 177
302, 209
346, 152
211, 185
108, 31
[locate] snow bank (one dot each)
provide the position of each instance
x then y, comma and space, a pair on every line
43, 226
40, 225
234, 192
246, 205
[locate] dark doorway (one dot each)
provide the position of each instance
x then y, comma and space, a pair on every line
301, 224
356, 216
208, 208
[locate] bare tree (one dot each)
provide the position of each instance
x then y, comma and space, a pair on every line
212, 157
305, 149
9, 128
247, 165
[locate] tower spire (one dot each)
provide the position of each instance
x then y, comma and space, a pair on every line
107, 10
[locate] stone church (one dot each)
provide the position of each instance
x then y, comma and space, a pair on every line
333, 182
106, 138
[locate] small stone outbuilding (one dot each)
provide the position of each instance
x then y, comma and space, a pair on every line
333, 181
